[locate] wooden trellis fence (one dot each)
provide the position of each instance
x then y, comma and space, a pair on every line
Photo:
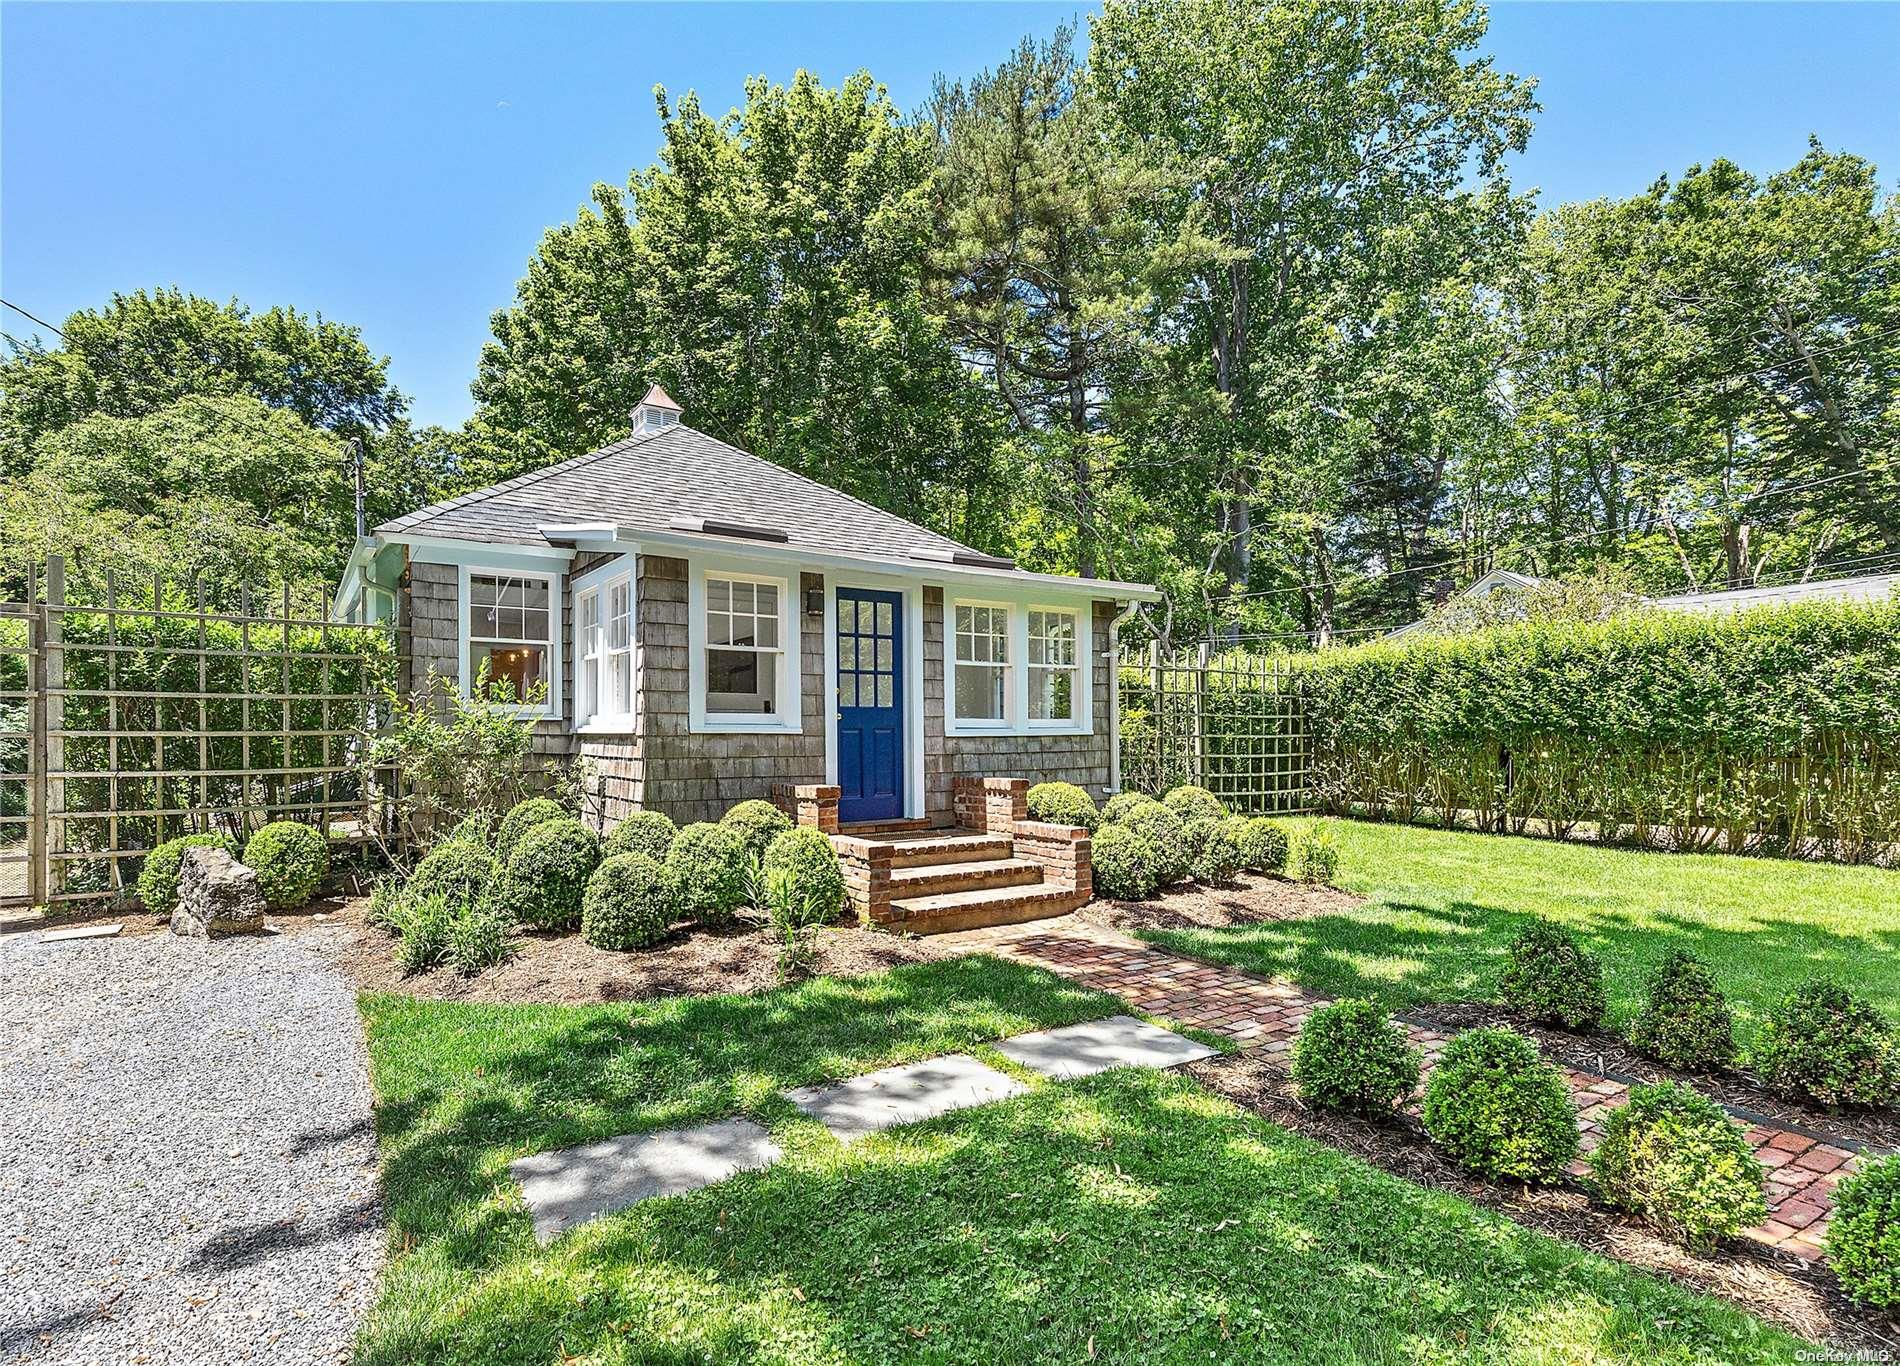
1230, 722
139, 713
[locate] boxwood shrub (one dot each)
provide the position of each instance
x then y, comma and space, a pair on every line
1352, 1056
546, 875
1063, 804
1212, 854
1675, 1159
1124, 863
158, 879
1123, 803
1686, 1022
458, 870
1863, 1237
290, 859
806, 854
758, 824
1312, 854
642, 832
1261, 840
1553, 979
628, 903
523, 818
1826, 1044
1496, 1107
1163, 829
1190, 802
707, 866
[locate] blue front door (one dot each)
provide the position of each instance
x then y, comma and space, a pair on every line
870, 705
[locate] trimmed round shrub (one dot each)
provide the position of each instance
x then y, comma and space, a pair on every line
1674, 1159
1262, 842
628, 903
1686, 1023
1554, 979
1194, 803
1496, 1107
1863, 1238
1124, 863
290, 860
1161, 826
642, 832
523, 818
158, 879
1063, 804
1826, 1044
1353, 1056
807, 854
1312, 854
1122, 803
1212, 854
459, 872
758, 824
707, 866
547, 873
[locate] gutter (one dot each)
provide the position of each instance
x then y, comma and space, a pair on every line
1115, 697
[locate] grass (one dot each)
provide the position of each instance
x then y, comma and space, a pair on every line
1130, 1217
1444, 906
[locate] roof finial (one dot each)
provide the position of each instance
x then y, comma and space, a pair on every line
655, 411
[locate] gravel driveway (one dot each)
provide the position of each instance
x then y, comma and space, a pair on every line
187, 1164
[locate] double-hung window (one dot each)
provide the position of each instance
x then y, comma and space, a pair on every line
1053, 665
603, 689
510, 634
745, 668
982, 686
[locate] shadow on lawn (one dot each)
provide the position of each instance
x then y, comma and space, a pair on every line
1131, 1215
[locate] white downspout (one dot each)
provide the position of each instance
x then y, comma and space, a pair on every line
1115, 697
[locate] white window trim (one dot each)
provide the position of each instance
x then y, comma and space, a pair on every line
550, 710
590, 720
789, 719
1016, 701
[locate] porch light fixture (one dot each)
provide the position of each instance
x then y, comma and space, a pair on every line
814, 602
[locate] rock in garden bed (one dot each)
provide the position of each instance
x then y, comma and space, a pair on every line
566, 968
1801, 1298
217, 896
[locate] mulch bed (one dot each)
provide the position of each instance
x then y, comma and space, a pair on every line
1774, 1286
566, 969
1250, 899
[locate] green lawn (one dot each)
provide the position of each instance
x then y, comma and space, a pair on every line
1444, 907
1135, 1215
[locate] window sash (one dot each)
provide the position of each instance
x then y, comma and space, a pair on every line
606, 675
744, 615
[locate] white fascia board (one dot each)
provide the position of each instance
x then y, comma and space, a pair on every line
495, 554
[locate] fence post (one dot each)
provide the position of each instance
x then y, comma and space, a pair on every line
52, 686
1159, 711
1200, 715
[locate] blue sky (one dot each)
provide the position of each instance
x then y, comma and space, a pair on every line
393, 166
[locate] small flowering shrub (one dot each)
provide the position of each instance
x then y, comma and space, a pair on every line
1353, 1056
707, 866
1496, 1107
523, 818
1553, 979
546, 875
1063, 804
1162, 828
642, 832
1124, 864
459, 870
1262, 842
1212, 854
1686, 1022
628, 903
1191, 803
1826, 1044
758, 824
290, 860
1313, 853
158, 879
1863, 1238
1674, 1159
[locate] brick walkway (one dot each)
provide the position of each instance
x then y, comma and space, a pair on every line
1257, 1012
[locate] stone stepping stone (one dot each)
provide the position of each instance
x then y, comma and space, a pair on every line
569, 1186
1085, 1049
903, 1095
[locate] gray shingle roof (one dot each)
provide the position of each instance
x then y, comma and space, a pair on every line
646, 481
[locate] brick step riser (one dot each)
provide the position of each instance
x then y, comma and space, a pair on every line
1040, 904
938, 879
930, 853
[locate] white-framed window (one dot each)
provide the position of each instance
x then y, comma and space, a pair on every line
510, 625
982, 654
744, 668
604, 696
1054, 665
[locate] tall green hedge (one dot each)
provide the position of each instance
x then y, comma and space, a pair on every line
1776, 729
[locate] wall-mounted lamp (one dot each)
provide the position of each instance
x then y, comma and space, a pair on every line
814, 602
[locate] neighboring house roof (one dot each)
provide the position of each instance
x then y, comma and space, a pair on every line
1865, 588
1483, 588
652, 481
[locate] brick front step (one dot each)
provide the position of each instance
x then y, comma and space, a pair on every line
975, 875
893, 827
948, 911
937, 849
